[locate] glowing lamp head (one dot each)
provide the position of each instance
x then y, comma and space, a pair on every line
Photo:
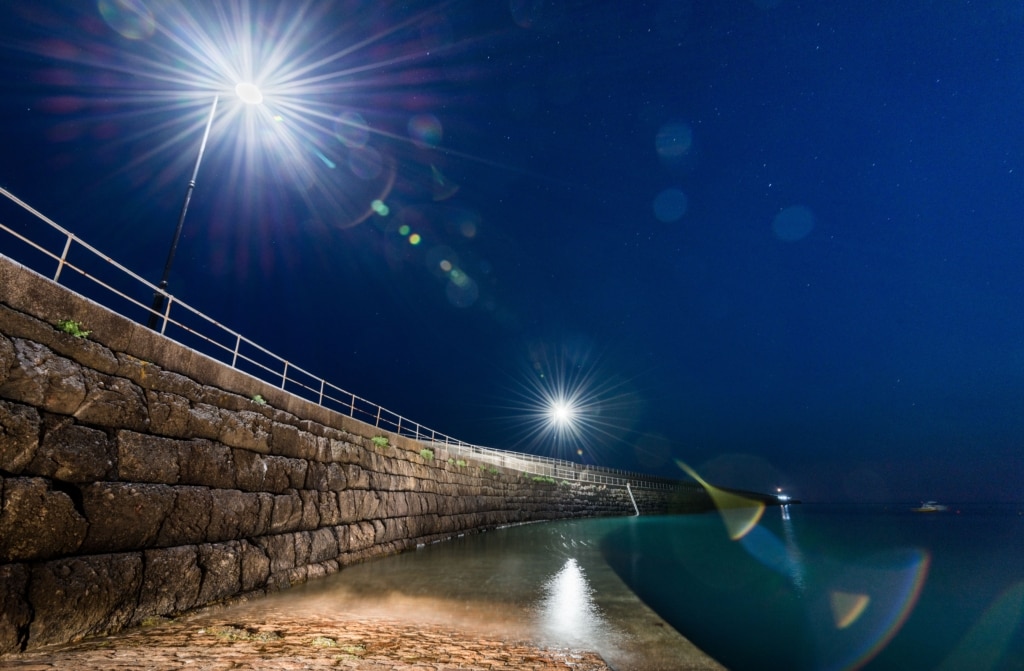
249, 93
562, 413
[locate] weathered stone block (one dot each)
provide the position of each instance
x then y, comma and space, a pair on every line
288, 441
207, 463
83, 596
278, 474
336, 478
368, 505
171, 382
327, 508
341, 533
233, 515
19, 436
266, 513
287, 515
360, 536
72, 453
245, 429
37, 522
395, 529
144, 458
303, 540
378, 531
124, 516
221, 566
15, 613
132, 368
112, 401
280, 549
170, 582
6, 357
356, 477
393, 504
310, 514
169, 414
40, 378
204, 421
348, 509
296, 469
188, 519
255, 567
323, 545
250, 471
341, 451
316, 476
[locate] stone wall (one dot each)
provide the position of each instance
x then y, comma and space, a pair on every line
139, 479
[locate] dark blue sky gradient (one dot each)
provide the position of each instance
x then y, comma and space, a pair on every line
877, 356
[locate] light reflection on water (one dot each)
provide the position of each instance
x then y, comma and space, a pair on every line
547, 583
568, 612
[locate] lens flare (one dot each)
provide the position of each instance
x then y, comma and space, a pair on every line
563, 405
847, 607
130, 18
867, 602
739, 513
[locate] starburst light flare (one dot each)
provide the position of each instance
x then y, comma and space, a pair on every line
565, 407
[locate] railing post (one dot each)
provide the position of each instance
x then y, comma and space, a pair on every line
167, 314
377, 423
284, 375
63, 258
352, 406
238, 345
322, 382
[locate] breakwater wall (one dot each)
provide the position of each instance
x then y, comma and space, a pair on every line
139, 478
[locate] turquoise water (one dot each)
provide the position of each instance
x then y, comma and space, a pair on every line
828, 588
837, 587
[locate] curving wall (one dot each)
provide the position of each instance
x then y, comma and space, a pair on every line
138, 478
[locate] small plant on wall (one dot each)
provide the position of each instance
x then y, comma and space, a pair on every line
380, 441
258, 400
72, 327
427, 454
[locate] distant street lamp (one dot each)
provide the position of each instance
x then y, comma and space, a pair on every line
248, 93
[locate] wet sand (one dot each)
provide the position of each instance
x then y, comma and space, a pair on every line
225, 639
394, 633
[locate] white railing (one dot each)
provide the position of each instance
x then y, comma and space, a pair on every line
190, 327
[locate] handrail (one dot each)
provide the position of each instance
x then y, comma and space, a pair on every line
241, 354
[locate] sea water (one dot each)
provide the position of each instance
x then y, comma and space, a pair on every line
837, 587
806, 587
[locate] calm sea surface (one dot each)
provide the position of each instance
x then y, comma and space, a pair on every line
837, 587
826, 588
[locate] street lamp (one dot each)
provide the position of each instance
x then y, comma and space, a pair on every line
248, 93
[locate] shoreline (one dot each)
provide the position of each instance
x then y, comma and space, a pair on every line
538, 598
293, 630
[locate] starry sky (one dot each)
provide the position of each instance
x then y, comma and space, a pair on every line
780, 241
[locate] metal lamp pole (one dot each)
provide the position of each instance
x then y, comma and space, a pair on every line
160, 295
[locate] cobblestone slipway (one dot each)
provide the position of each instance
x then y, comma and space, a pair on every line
213, 642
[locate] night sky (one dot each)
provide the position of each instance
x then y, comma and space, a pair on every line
780, 241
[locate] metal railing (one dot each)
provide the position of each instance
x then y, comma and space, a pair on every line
192, 328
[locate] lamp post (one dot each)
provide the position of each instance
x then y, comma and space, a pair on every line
248, 93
